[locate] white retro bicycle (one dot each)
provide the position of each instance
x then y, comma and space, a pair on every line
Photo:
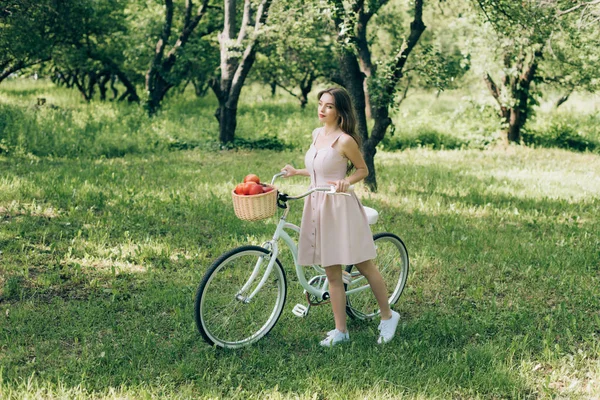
242, 295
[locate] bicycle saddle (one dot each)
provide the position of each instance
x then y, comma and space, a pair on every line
372, 215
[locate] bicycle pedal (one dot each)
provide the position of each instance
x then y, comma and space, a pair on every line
300, 310
346, 277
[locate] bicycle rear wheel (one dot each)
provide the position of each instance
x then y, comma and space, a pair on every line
224, 316
392, 262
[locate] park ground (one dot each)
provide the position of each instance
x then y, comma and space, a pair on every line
109, 220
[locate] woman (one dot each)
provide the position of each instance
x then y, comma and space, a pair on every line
334, 229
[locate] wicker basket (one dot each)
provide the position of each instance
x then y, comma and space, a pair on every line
255, 207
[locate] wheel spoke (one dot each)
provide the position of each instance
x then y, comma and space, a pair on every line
224, 320
392, 262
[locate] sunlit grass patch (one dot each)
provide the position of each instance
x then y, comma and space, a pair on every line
15, 209
106, 265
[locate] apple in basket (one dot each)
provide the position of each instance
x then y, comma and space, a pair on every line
248, 186
251, 178
255, 189
251, 186
239, 189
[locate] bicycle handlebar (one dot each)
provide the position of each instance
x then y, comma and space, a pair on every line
327, 190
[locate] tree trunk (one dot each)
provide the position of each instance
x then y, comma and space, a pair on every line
353, 78
80, 85
356, 69
114, 90
305, 88
155, 96
515, 116
234, 69
104, 78
227, 123
382, 122
131, 92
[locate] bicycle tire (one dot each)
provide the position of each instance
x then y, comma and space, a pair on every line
393, 263
221, 317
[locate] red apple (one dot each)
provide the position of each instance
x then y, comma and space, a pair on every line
255, 189
251, 178
239, 189
248, 185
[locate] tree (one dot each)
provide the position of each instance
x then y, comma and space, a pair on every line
90, 54
295, 52
371, 84
536, 41
161, 75
27, 36
238, 53
572, 61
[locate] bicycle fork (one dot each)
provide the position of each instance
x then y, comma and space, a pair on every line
270, 257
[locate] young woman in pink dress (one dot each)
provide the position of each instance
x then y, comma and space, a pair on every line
334, 229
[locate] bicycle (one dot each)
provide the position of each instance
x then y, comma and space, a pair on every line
241, 296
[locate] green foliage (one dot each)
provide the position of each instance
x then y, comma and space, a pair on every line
427, 138
264, 143
451, 120
297, 48
63, 132
24, 28
566, 132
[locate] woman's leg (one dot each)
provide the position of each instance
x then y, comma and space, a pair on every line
370, 271
338, 296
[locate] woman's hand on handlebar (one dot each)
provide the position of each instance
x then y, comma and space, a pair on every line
341, 186
289, 171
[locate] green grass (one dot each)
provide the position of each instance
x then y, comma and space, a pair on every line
100, 258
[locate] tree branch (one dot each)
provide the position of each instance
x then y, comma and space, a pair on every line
245, 22
189, 27
5, 71
493, 87
578, 6
287, 90
416, 29
166, 32
249, 53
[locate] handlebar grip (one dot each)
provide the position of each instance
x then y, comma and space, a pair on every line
283, 173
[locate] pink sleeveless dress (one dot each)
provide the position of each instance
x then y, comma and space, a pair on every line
334, 228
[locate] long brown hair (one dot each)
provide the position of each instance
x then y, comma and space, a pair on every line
345, 109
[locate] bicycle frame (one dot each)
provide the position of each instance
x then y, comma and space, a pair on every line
273, 247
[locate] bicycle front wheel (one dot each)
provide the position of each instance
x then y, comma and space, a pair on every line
392, 262
224, 315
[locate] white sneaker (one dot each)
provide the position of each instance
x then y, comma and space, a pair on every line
387, 328
335, 337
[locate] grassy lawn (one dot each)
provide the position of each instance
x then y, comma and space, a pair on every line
100, 258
